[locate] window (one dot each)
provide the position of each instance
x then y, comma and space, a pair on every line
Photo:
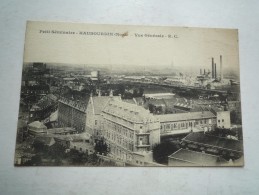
222, 120
219, 121
95, 122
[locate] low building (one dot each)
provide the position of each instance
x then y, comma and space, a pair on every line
67, 140
213, 145
83, 147
36, 128
184, 157
183, 123
128, 129
159, 96
61, 131
43, 108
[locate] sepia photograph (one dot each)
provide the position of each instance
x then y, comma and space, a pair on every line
123, 95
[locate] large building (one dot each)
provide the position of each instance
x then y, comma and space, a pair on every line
72, 114
94, 109
181, 123
129, 130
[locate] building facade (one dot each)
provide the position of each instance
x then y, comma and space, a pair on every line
72, 114
181, 123
94, 109
129, 129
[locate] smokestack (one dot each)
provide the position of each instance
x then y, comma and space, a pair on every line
200, 71
212, 68
215, 73
204, 71
221, 71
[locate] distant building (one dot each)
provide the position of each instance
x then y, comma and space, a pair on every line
159, 96
184, 157
181, 123
129, 129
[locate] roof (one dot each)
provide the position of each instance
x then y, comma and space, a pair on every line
73, 137
197, 158
54, 116
99, 102
185, 116
129, 112
46, 101
37, 124
159, 95
218, 142
61, 130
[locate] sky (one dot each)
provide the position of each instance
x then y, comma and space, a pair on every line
192, 48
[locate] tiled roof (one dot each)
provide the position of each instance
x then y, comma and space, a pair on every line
129, 112
185, 116
214, 141
197, 158
44, 102
99, 102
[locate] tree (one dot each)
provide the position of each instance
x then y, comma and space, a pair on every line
101, 147
163, 150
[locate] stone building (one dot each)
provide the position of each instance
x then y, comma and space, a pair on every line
72, 114
129, 129
181, 123
94, 109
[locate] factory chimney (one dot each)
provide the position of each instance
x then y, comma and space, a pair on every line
204, 71
221, 71
212, 68
215, 73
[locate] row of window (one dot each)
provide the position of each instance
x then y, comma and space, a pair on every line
119, 129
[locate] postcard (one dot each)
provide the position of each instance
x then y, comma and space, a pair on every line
120, 95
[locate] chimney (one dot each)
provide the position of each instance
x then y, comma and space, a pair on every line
212, 68
215, 73
221, 71
204, 71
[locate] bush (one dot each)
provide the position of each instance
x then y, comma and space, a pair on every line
163, 150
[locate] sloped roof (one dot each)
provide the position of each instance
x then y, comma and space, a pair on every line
218, 142
197, 158
37, 124
99, 102
185, 116
129, 112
